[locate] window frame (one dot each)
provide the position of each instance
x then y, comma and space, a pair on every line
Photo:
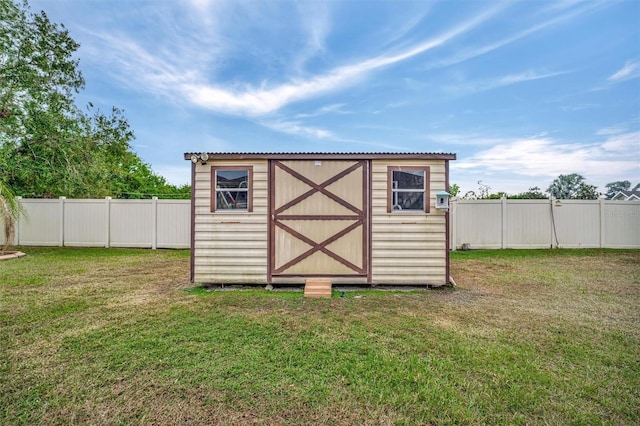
426, 189
249, 190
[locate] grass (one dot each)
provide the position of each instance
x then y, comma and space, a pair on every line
110, 336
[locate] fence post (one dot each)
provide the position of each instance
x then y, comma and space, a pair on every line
61, 244
552, 231
452, 224
16, 237
154, 222
107, 215
504, 221
603, 241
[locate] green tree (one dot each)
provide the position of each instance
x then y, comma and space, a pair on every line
572, 186
38, 119
483, 193
48, 147
454, 190
614, 187
534, 193
37, 67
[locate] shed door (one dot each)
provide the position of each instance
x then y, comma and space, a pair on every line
319, 218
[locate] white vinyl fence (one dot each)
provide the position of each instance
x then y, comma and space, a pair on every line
104, 223
507, 223
481, 224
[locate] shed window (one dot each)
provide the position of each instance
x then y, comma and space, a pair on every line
231, 188
408, 189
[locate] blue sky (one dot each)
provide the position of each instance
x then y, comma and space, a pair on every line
521, 91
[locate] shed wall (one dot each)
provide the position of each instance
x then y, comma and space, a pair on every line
230, 247
407, 247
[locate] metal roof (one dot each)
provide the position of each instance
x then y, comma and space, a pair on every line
325, 155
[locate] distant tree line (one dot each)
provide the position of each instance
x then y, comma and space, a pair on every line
566, 187
48, 146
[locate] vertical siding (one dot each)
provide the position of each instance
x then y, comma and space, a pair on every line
173, 223
478, 223
621, 224
85, 223
577, 223
131, 223
231, 247
528, 223
42, 224
407, 248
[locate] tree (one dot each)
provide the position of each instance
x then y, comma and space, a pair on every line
48, 147
484, 193
454, 190
614, 187
534, 193
9, 212
37, 68
572, 186
587, 192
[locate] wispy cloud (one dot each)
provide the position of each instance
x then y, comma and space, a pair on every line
626, 144
327, 109
164, 75
578, 107
391, 105
612, 130
630, 70
316, 24
476, 51
296, 128
328, 138
470, 139
399, 33
474, 86
258, 101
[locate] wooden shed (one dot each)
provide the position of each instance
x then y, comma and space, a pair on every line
354, 218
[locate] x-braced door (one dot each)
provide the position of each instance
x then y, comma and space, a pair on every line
319, 218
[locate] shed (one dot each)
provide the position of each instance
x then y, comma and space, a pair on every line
355, 218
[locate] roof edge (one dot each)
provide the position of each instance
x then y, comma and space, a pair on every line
325, 155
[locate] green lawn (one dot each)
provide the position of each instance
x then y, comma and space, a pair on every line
109, 336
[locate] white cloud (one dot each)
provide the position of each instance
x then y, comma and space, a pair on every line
630, 70
258, 101
297, 129
474, 86
475, 51
546, 157
624, 144
612, 130
332, 141
183, 80
391, 105
578, 107
328, 109
316, 25
464, 139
